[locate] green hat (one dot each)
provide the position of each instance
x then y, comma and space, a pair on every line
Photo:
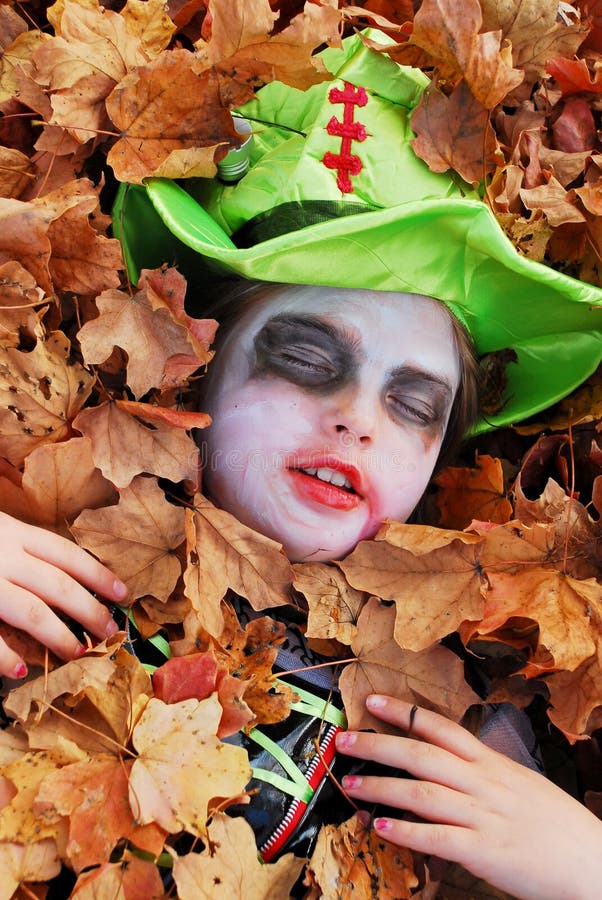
336, 196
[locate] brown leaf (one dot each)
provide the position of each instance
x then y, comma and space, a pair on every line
452, 133
166, 106
131, 878
81, 67
166, 288
123, 446
229, 868
467, 494
453, 35
16, 170
553, 201
136, 539
18, 821
40, 392
16, 56
151, 338
334, 606
182, 766
351, 861
222, 554
59, 481
433, 591
433, 677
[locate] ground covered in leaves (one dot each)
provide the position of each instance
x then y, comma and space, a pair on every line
105, 769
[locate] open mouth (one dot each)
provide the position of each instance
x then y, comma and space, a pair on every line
330, 476
326, 487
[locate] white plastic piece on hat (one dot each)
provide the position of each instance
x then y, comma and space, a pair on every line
236, 163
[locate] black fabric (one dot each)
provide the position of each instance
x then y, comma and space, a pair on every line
292, 216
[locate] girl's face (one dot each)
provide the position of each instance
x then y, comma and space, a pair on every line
329, 408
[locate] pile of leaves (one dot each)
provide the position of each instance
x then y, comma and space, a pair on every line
112, 777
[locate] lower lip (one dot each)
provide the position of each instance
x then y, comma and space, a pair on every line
324, 493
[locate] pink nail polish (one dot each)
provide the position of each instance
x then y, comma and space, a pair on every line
375, 701
112, 628
352, 781
80, 651
345, 740
20, 670
120, 590
383, 824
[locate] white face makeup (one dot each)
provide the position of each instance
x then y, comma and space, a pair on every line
329, 408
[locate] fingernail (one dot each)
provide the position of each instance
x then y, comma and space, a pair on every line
375, 701
383, 824
112, 628
20, 670
345, 740
81, 649
119, 589
352, 781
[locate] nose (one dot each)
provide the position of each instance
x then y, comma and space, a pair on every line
352, 414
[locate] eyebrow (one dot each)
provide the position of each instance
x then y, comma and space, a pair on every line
413, 374
344, 337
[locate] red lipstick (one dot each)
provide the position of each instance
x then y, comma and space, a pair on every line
323, 492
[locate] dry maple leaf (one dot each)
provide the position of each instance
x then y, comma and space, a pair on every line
151, 337
433, 677
453, 36
334, 605
16, 170
19, 822
137, 538
81, 67
123, 446
350, 861
452, 133
166, 288
466, 494
131, 878
24, 863
15, 57
148, 20
229, 868
222, 554
168, 105
434, 589
59, 481
197, 676
560, 606
93, 796
182, 766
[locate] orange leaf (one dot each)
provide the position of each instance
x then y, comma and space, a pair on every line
467, 494
333, 605
136, 538
166, 106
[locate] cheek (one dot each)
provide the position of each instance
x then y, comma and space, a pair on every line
406, 472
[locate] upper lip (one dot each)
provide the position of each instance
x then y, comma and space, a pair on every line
313, 461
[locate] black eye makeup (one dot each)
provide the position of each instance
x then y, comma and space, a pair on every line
418, 396
306, 351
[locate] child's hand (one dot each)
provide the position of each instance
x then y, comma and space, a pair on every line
39, 572
500, 820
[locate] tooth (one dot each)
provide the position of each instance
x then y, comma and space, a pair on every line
325, 474
310, 471
339, 479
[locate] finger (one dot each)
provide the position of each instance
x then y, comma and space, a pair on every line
429, 801
22, 609
425, 761
11, 664
61, 591
429, 726
450, 842
77, 562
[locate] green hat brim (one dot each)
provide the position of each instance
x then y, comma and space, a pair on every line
451, 249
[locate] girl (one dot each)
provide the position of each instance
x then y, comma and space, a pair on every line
332, 406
